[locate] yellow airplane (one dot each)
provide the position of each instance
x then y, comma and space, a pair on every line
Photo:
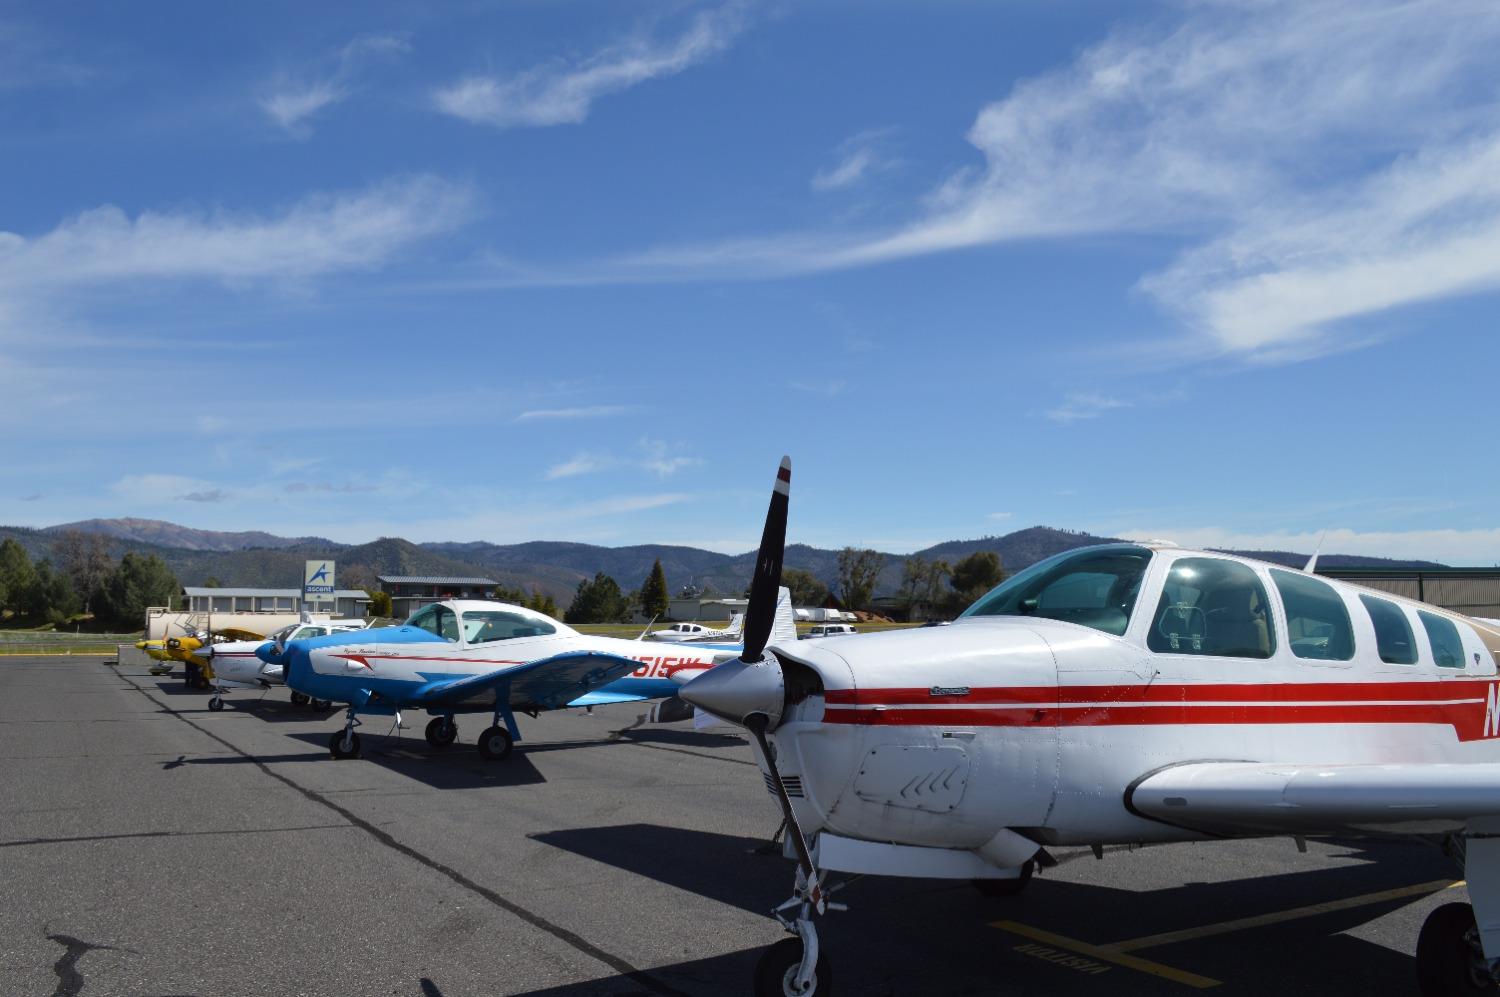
184, 649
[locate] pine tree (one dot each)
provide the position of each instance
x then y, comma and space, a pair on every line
654, 600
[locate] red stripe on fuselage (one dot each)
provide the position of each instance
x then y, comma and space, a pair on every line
1459, 703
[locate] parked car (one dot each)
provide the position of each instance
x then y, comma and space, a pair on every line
828, 630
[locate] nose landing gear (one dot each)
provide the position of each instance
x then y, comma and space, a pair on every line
345, 743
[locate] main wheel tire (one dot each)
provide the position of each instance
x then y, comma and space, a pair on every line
776, 971
300, 699
1006, 887
216, 704
337, 748
441, 732
322, 705
494, 744
1450, 962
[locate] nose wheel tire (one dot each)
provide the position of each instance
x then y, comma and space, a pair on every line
344, 744
1450, 961
494, 744
216, 704
441, 732
1006, 887
776, 972
299, 699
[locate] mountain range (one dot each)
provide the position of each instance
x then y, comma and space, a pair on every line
255, 559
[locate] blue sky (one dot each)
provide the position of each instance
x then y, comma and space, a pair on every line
1220, 272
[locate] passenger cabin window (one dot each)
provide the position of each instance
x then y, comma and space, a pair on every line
1317, 623
483, 626
1392, 633
438, 620
1095, 587
1214, 607
1447, 646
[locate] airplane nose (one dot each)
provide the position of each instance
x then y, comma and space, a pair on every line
736, 690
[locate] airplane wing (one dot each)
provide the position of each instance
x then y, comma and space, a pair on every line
236, 633
605, 698
1236, 798
544, 684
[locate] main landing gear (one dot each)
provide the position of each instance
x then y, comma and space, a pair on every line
1007, 887
300, 699
1450, 961
441, 732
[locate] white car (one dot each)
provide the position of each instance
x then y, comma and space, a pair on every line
829, 630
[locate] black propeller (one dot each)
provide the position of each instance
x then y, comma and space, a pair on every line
765, 585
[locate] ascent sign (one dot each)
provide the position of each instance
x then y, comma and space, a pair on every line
317, 579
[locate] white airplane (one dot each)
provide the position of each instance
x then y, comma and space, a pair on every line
235, 666
687, 633
1125, 694
468, 656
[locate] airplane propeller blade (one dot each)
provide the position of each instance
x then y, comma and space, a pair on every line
760, 615
753, 684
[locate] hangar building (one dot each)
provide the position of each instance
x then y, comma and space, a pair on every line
346, 604
410, 593
1471, 591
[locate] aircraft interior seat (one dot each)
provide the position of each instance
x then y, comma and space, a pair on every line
1237, 625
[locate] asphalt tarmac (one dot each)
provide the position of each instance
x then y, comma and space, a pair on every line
150, 846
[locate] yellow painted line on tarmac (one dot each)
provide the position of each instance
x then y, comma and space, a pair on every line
1107, 955
1260, 921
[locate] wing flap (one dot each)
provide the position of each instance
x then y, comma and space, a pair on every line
1253, 797
544, 684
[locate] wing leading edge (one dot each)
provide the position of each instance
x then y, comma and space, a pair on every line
1247, 798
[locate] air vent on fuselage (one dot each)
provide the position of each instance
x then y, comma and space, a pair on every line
793, 784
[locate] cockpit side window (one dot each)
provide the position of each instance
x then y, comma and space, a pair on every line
1095, 587
483, 626
1213, 607
438, 620
1392, 633
1447, 646
1317, 622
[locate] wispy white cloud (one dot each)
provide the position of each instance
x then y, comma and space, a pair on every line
1462, 547
1080, 405
581, 464
859, 157
997, 516
562, 93
318, 234
1324, 160
29, 58
659, 458
830, 388
294, 98
577, 412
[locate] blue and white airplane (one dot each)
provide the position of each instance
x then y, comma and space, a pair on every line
469, 656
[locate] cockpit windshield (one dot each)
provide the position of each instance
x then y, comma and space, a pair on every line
1095, 587
484, 625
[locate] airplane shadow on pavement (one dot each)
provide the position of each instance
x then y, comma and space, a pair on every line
911, 936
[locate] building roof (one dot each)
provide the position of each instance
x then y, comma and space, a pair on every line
434, 580
192, 590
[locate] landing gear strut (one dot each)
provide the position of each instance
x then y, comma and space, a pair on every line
1006, 887
216, 703
776, 972
441, 732
345, 743
1450, 961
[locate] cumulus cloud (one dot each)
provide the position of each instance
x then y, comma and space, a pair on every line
292, 100
1323, 160
562, 94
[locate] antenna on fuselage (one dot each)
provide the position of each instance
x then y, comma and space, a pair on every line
1312, 562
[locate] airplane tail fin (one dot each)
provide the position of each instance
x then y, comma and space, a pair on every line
784, 627
736, 625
